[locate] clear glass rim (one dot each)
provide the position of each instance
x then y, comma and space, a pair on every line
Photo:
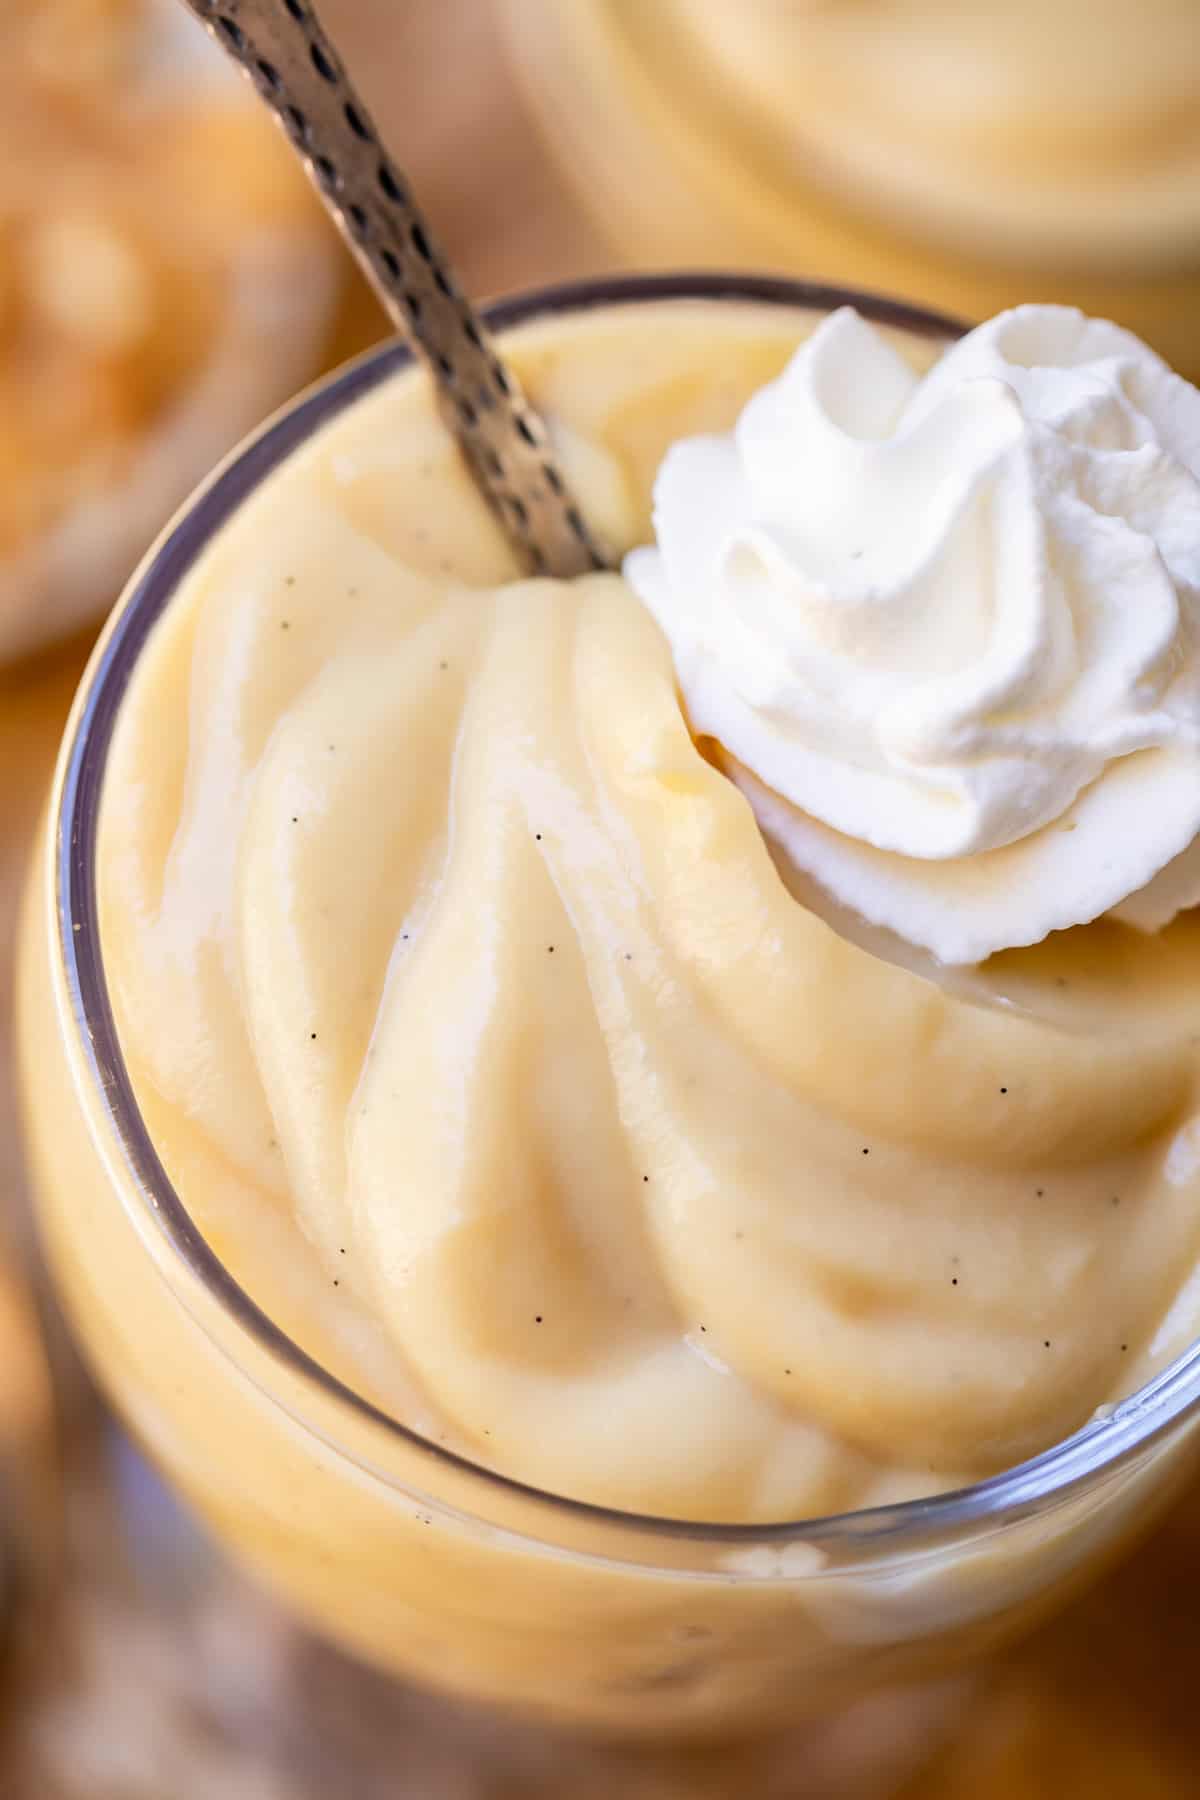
1100, 1446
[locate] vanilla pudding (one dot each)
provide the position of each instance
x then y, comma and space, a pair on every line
974, 154
436, 940
501, 971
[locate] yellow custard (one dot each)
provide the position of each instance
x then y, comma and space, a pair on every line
488, 1046
974, 155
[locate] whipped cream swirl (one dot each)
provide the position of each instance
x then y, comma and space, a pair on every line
944, 629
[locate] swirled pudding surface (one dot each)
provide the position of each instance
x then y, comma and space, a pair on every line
492, 1047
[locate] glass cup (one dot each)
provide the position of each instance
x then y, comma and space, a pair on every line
418, 1559
678, 128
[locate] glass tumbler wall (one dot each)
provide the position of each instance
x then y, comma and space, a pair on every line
417, 1558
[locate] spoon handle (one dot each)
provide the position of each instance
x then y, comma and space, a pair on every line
282, 48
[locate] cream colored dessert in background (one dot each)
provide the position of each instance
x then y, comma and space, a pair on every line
498, 1054
973, 154
1069, 131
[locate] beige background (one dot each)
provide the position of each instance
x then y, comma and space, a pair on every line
163, 1677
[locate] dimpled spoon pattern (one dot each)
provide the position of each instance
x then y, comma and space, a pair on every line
282, 47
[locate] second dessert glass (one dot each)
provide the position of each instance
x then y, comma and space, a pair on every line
415, 1557
698, 131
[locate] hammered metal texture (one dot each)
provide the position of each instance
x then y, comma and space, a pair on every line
280, 45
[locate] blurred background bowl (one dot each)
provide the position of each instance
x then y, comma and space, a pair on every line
166, 278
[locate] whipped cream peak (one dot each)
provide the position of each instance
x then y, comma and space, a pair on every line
937, 624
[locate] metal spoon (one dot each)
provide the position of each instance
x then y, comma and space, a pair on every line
282, 48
